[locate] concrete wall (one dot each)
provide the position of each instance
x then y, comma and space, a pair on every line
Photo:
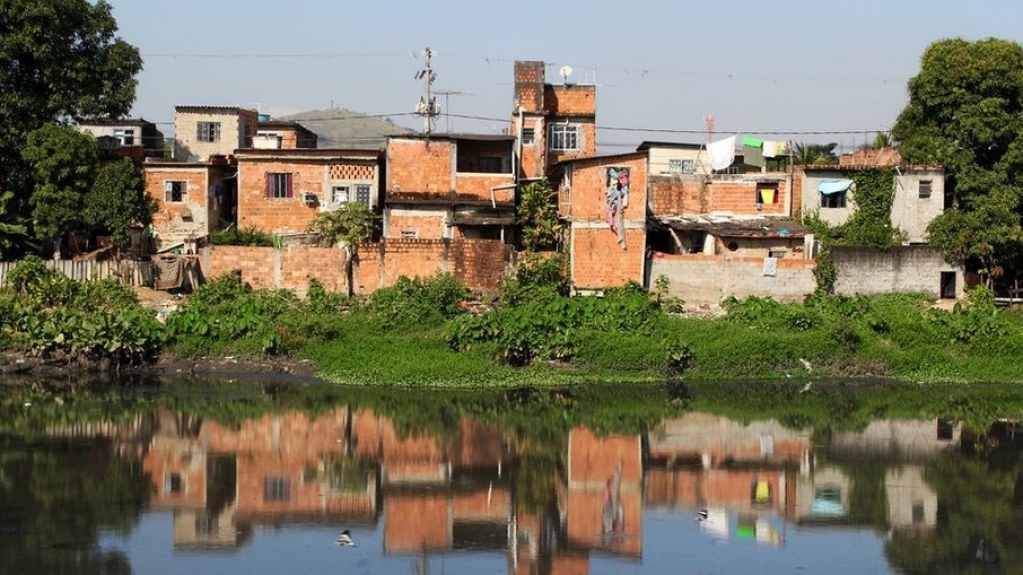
870, 271
237, 127
480, 264
701, 279
910, 212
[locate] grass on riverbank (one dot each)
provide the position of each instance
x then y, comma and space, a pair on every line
420, 333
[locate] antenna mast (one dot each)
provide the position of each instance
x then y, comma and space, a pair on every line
427, 106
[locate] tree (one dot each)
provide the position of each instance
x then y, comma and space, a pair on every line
348, 226
63, 163
12, 233
59, 60
810, 154
965, 112
118, 201
538, 216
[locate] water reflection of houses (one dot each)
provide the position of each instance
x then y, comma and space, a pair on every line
707, 461
903, 447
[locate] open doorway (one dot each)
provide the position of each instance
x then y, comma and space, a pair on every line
948, 285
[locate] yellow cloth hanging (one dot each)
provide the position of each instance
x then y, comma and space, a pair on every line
767, 195
763, 492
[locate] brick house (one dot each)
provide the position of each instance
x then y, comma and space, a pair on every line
196, 191
192, 199
449, 186
282, 190
132, 138
551, 122
604, 202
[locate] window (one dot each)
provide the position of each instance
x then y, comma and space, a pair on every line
172, 483
490, 165
208, 131
278, 186
339, 195
174, 191
276, 489
409, 234
680, 166
528, 136
767, 194
564, 138
206, 523
126, 137
835, 200
362, 194
925, 189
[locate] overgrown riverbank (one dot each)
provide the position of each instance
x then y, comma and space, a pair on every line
422, 332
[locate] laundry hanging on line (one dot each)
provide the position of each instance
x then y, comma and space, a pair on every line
722, 153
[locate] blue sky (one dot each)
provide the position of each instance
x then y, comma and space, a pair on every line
757, 67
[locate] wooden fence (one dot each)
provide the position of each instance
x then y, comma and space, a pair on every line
132, 272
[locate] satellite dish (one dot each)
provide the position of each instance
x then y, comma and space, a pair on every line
565, 72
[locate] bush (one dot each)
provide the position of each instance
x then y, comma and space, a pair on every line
418, 301
249, 236
537, 278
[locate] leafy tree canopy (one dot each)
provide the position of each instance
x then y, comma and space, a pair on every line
59, 60
118, 201
965, 112
64, 163
810, 154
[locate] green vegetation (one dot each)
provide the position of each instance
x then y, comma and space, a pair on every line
424, 332
249, 236
59, 60
43, 312
537, 213
965, 112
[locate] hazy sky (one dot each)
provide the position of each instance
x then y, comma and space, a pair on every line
757, 67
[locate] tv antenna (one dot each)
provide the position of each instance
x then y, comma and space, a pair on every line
447, 108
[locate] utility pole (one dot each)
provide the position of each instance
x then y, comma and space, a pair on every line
427, 106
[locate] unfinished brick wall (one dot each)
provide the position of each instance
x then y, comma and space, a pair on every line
530, 77
255, 264
691, 196
571, 99
598, 261
481, 187
281, 215
480, 264
417, 165
174, 221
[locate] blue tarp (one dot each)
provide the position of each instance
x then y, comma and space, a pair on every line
827, 187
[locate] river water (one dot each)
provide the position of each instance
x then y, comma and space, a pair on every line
263, 479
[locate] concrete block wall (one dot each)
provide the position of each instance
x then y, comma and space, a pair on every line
870, 271
702, 279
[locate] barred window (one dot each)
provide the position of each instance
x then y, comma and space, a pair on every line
278, 186
208, 131
174, 191
564, 138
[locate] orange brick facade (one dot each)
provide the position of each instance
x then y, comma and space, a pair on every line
598, 260
312, 175
480, 264
692, 196
420, 166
